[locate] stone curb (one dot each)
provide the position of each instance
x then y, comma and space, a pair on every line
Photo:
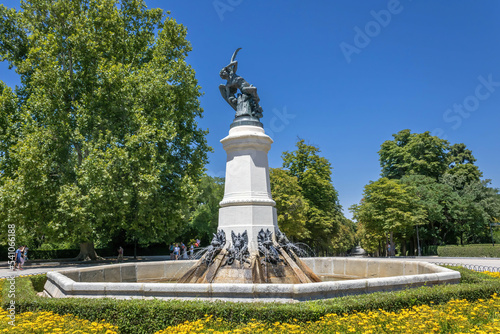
60, 285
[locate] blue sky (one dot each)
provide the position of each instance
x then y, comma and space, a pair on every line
345, 75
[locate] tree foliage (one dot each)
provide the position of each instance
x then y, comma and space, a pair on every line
204, 220
413, 153
101, 136
291, 205
389, 208
440, 179
307, 175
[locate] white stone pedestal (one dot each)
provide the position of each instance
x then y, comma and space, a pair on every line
247, 204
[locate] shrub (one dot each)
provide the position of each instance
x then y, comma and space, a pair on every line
149, 316
50, 254
38, 282
456, 316
480, 250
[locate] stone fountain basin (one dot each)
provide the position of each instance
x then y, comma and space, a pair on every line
126, 281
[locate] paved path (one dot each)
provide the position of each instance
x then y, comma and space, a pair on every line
44, 267
477, 261
40, 268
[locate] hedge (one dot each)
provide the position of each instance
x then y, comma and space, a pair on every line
149, 316
479, 250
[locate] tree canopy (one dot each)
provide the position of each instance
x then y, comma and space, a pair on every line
441, 186
413, 153
101, 135
389, 208
307, 202
204, 219
291, 205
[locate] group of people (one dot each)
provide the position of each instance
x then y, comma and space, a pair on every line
21, 256
181, 251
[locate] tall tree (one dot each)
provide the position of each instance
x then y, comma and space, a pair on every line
313, 173
414, 153
389, 208
346, 238
446, 182
107, 113
204, 220
291, 205
461, 163
437, 199
475, 208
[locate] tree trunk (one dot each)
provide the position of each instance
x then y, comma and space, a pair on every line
403, 248
87, 252
135, 249
411, 250
393, 253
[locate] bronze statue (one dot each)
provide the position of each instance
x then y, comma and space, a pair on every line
239, 251
267, 250
245, 103
218, 242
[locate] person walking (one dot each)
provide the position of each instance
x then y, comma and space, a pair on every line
120, 255
191, 251
19, 258
25, 253
176, 252
171, 251
183, 251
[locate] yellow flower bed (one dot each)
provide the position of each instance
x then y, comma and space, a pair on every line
492, 274
48, 322
456, 316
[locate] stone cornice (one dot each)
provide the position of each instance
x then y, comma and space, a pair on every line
247, 201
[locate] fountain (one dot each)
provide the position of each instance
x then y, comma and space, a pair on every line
249, 258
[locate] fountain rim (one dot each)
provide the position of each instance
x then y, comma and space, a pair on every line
60, 286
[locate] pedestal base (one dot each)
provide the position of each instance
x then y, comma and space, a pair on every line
246, 248
249, 218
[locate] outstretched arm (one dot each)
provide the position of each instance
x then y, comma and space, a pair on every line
234, 65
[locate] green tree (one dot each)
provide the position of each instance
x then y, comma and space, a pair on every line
461, 163
205, 218
389, 209
475, 208
437, 199
414, 153
422, 154
346, 237
291, 205
313, 173
457, 209
445, 184
107, 113
371, 241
